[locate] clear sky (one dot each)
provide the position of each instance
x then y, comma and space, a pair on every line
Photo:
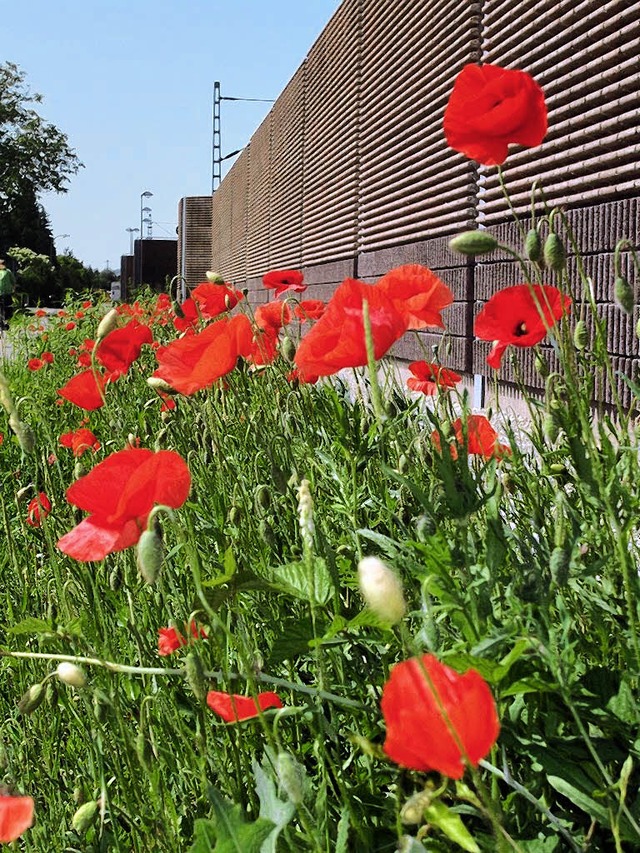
131, 84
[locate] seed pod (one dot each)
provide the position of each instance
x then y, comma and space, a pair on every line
554, 253
84, 817
150, 553
559, 565
623, 294
533, 245
31, 699
290, 776
194, 674
288, 349
581, 335
107, 324
473, 243
425, 527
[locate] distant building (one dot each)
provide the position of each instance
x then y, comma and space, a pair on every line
154, 262
194, 238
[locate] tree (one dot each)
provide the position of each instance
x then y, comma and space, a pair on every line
34, 155
25, 224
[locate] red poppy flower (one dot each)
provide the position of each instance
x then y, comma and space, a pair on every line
437, 718
481, 438
35, 364
190, 317
85, 390
337, 339
70, 326
491, 107
16, 816
520, 315
86, 304
37, 509
264, 347
310, 309
418, 294
273, 316
233, 708
429, 378
215, 299
79, 315
84, 360
87, 345
170, 640
196, 361
41, 313
122, 347
80, 441
283, 280
61, 313
119, 493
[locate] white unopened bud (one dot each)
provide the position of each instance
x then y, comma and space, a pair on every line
71, 674
305, 514
381, 589
107, 324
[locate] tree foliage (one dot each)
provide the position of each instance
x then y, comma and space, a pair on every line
35, 155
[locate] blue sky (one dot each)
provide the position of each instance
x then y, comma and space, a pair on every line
131, 84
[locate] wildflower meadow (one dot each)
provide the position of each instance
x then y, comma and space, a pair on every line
262, 592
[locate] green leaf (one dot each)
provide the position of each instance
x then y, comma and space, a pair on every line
229, 829
293, 640
309, 585
389, 546
230, 568
272, 808
31, 625
595, 810
343, 832
450, 823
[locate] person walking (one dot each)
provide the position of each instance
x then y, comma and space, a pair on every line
7, 286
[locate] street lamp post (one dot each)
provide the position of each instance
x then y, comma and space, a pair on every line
131, 232
145, 194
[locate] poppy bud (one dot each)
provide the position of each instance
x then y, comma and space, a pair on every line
100, 708
263, 497
160, 385
214, 277
194, 673
115, 580
24, 433
550, 428
554, 253
177, 310
31, 700
425, 527
234, 515
288, 349
623, 294
144, 750
160, 437
290, 776
84, 817
403, 463
559, 565
533, 245
638, 328
267, 533
413, 810
381, 589
150, 553
107, 324
541, 366
71, 674
581, 335
473, 243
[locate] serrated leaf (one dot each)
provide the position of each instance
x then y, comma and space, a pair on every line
229, 829
31, 625
293, 640
342, 839
451, 825
297, 580
271, 807
388, 546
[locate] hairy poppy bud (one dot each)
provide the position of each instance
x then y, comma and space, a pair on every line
194, 673
288, 349
473, 243
71, 674
107, 324
23, 432
263, 497
150, 553
144, 750
581, 335
559, 565
160, 385
413, 810
550, 428
115, 580
541, 366
234, 515
381, 589
533, 245
84, 817
554, 253
290, 776
623, 294
214, 277
31, 699
425, 527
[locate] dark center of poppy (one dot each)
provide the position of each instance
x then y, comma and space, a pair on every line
520, 330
